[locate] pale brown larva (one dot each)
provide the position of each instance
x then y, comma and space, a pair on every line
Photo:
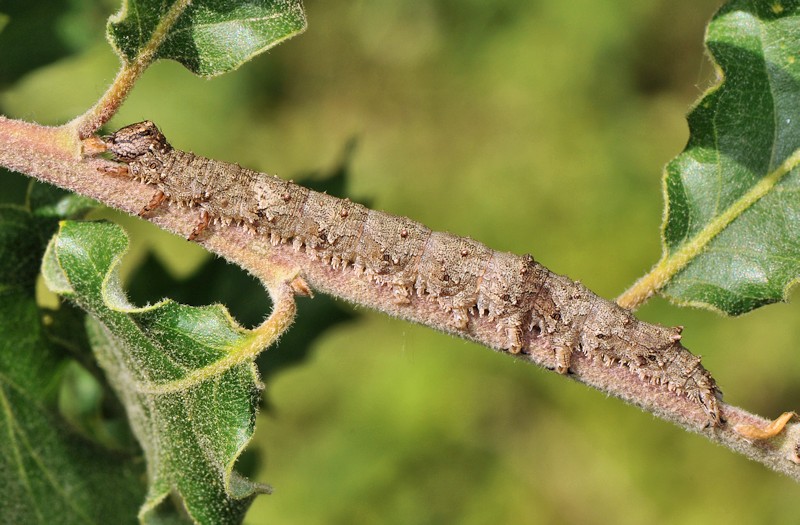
531, 305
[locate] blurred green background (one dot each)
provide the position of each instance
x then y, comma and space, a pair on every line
533, 126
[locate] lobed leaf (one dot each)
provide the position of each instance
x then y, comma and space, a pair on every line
48, 472
731, 235
209, 37
191, 412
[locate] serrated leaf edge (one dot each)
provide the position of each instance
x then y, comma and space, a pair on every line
256, 341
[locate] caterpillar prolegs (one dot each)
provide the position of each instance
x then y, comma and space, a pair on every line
530, 305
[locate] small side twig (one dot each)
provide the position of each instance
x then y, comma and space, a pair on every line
130, 71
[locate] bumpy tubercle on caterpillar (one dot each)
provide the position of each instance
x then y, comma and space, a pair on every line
528, 303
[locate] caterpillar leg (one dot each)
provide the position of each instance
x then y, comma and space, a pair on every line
205, 220
401, 294
155, 202
563, 359
118, 169
511, 327
514, 331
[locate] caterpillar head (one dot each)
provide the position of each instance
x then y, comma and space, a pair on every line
135, 141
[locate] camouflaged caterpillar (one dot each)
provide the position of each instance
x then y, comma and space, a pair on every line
531, 305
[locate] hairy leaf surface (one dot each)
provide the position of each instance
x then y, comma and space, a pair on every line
191, 410
49, 472
209, 37
732, 231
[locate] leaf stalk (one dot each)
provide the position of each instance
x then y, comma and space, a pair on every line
130, 71
672, 263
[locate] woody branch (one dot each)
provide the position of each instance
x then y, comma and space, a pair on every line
55, 155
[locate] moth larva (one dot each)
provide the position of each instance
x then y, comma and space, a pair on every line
529, 305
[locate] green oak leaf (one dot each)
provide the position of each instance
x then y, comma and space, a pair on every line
49, 472
190, 401
731, 235
208, 37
